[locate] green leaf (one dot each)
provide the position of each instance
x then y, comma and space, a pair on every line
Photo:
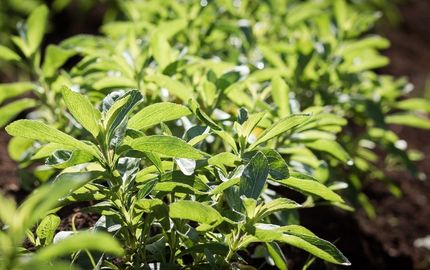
17, 147
47, 197
117, 115
7, 211
280, 92
168, 146
10, 90
194, 211
276, 254
49, 149
8, 55
410, 120
111, 82
62, 159
174, 87
227, 138
272, 57
225, 185
157, 113
224, 158
278, 168
99, 241
280, 127
47, 227
341, 13
82, 110
308, 185
177, 187
331, 147
21, 45
36, 24
250, 123
161, 50
55, 57
11, 110
276, 205
302, 238
414, 104
202, 116
37, 130
369, 42
254, 176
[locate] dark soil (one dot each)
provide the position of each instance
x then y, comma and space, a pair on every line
386, 242
8, 169
410, 50
74, 216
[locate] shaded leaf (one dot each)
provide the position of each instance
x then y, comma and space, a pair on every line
254, 176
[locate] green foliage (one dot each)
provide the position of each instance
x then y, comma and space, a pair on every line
17, 223
185, 125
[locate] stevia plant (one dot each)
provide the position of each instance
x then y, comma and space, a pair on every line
171, 203
190, 169
318, 48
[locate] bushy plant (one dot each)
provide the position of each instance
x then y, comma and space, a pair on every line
166, 200
188, 121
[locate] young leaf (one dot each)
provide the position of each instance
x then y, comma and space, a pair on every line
82, 109
167, 146
254, 176
157, 113
36, 25
37, 130
280, 127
